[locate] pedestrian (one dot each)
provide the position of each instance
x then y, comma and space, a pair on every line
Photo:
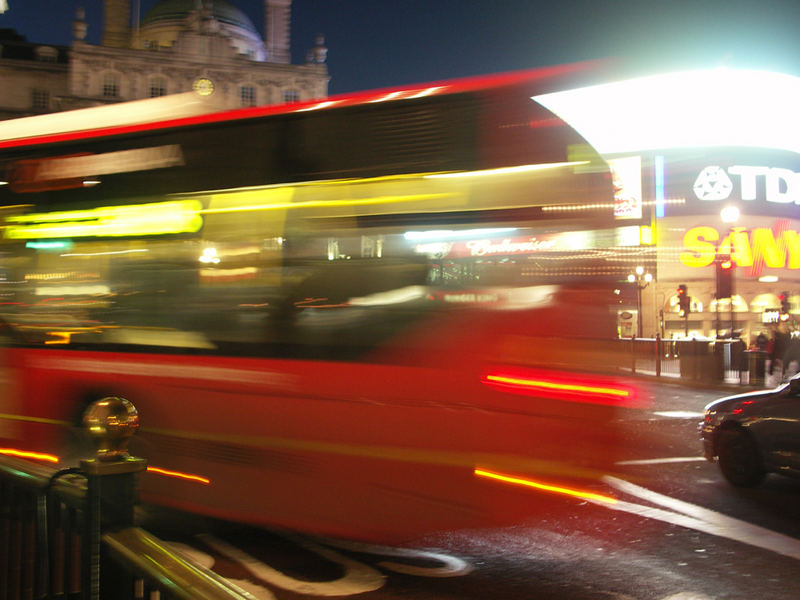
761, 341
791, 358
780, 343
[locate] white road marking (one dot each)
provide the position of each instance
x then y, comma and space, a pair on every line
702, 519
259, 592
358, 577
679, 414
207, 561
451, 566
663, 461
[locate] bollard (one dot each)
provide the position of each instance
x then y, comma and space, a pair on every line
658, 355
111, 491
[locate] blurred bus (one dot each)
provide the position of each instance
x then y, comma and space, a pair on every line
372, 316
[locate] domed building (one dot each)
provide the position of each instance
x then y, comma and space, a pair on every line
211, 46
164, 23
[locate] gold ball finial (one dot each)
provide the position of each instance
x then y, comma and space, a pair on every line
111, 422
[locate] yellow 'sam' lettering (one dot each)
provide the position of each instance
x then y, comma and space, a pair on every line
700, 249
792, 240
765, 244
741, 250
760, 245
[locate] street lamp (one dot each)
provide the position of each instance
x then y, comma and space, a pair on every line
641, 280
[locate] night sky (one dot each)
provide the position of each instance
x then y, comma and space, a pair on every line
386, 43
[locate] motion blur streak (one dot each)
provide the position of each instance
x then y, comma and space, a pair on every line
545, 487
62, 337
179, 475
507, 170
563, 389
330, 203
33, 455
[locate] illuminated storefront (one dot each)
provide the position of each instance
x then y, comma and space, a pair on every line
720, 178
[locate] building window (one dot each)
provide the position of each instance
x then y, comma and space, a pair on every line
158, 87
40, 99
248, 95
291, 96
111, 86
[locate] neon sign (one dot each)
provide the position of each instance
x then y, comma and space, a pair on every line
714, 183
776, 248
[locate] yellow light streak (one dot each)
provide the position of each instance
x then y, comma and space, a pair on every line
24, 454
509, 170
179, 475
329, 203
302, 184
177, 216
566, 387
10, 417
545, 487
62, 337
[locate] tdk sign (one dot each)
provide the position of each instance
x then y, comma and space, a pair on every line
781, 186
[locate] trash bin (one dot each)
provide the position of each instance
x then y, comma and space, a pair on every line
716, 372
697, 359
756, 366
686, 350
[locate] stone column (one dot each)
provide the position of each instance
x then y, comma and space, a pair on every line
277, 20
117, 23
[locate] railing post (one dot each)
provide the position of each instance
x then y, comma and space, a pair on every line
659, 354
111, 493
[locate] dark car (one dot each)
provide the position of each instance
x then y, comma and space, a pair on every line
754, 434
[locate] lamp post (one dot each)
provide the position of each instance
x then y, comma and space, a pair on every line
729, 216
641, 280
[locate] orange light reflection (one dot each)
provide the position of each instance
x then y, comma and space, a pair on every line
24, 454
545, 487
179, 475
62, 337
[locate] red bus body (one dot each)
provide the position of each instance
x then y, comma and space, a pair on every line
294, 382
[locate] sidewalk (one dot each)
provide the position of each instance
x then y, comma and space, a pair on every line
732, 381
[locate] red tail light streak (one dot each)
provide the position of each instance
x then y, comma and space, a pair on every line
571, 387
545, 487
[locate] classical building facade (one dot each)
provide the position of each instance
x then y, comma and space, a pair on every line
207, 45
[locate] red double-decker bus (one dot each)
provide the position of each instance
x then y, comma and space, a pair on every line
372, 316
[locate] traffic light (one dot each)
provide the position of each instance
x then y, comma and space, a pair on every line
683, 300
784, 298
725, 267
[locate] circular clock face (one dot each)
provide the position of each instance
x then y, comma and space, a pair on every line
203, 86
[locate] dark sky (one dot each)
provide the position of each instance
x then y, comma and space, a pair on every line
385, 43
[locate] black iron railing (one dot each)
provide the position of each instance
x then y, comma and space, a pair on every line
694, 360
70, 533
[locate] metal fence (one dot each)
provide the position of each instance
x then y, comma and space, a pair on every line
70, 533
695, 359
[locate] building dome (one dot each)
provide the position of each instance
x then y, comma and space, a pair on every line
168, 18
178, 10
